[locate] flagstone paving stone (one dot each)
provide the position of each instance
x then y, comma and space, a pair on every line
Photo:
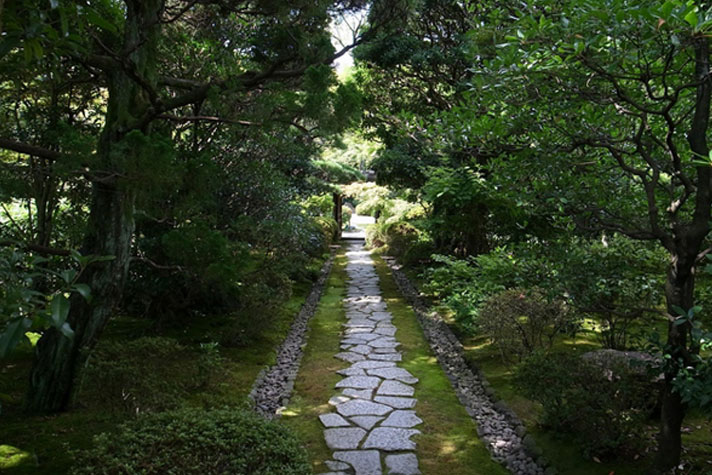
375, 409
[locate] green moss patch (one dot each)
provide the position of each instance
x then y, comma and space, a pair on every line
449, 443
317, 375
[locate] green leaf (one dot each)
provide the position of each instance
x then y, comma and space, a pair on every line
97, 20
60, 310
691, 17
666, 9
84, 290
13, 333
66, 330
679, 310
68, 275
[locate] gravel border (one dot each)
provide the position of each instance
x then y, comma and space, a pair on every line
497, 425
274, 385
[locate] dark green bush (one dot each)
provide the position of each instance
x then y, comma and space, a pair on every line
522, 321
603, 411
145, 375
194, 441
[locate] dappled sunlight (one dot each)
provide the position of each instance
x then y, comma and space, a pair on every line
13, 457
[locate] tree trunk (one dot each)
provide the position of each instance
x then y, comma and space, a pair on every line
679, 289
57, 357
111, 220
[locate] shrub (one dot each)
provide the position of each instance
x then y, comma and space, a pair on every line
192, 441
463, 285
522, 321
145, 375
603, 412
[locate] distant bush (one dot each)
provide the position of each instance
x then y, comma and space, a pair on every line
193, 441
522, 321
603, 411
464, 285
148, 374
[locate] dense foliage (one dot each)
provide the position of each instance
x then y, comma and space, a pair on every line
196, 441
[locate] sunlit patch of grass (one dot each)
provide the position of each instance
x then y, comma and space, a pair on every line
449, 443
13, 457
317, 374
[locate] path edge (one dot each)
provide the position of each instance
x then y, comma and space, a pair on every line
466, 380
274, 385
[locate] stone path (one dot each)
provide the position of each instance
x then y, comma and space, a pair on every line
374, 418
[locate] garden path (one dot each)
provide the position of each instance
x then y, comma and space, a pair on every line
374, 417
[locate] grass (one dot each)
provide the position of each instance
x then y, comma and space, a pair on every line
44, 444
449, 443
317, 374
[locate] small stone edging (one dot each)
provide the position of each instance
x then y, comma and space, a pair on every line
274, 385
497, 425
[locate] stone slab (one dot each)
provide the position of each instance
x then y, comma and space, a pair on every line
385, 357
358, 393
361, 407
390, 439
405, 419
399, 374
333, 420
395, 388
359, 382
402, 464
367, 422
351, 371
344, 438
349, 357
364, 462
396, 402
368, 364
336, 465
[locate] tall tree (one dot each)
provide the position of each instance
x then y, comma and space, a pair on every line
119, 43
612, 99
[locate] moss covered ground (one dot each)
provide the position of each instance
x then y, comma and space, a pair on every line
45, 444
449, 442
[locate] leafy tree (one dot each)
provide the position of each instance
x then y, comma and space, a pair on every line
148, 59
622, 147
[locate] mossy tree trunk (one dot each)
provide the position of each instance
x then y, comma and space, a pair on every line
111, 221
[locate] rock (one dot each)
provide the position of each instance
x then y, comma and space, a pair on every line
364, 462
386, 357
402, 464
406, 419
359, 382
333, 420
351, 371
360, 407
358, 393
397, 402
347, 438
390, 439
399, 374
369, 364
361, 349
395, 388
350, 357
367, 422
336, 465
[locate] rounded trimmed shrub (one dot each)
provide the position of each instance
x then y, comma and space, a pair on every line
195, 441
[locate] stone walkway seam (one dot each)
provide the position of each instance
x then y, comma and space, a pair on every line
274, 385
497, 425
375, 417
